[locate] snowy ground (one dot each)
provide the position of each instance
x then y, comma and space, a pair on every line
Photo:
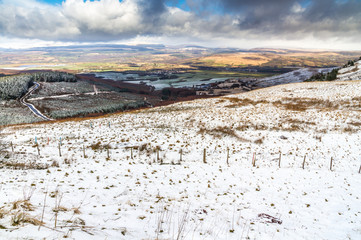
350, 73
110, 195
296, 76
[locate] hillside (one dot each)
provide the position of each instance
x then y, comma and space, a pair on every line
144, 175
350, 72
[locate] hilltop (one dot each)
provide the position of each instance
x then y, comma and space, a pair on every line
251, 165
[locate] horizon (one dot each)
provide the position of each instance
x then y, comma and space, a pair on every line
179, 46
243, 24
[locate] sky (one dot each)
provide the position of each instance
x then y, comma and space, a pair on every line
302, 24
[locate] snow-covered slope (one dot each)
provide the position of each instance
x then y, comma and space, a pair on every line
350, 73
296, 76
129, 194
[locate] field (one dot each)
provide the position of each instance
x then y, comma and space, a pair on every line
275, 163
149, 57
186, 79
276, 59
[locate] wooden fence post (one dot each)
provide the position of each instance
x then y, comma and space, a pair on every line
59, 151
12, 147
84, 151
304, 161
254, 160
204, 156
37, 146
331, 163
108, 154
228, 156
180, 156
279, 160
131, 152
359, 171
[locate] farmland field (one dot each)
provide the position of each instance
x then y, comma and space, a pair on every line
145, 58
181, 79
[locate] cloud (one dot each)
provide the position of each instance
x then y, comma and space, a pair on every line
31, 19
294, 18
255, 20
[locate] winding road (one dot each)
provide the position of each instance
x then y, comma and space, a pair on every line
31, 106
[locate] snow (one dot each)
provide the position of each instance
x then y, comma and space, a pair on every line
295, 76
123, 198
350, 73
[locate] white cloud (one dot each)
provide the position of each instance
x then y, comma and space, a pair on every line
114, 20
107, 16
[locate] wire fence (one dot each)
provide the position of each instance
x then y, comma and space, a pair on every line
46, 148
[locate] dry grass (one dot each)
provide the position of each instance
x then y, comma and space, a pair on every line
356, 124
303, 104
23, 166
220, 132
241, 102
20, 217
259, 141
17, 211
22, 204
297, 104
99, 146
299, 122
245, 127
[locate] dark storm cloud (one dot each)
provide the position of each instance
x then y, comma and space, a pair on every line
291, 17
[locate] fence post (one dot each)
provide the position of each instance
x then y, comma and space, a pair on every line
331, 163
254, 160
304, 161
131, 152
359, 171
157, 155
84, 151
279, 160
59, 151
108, 154
180, 156
12, 147
228, 156
37, 146
204, 156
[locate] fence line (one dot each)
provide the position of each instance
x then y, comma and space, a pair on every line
11, 148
